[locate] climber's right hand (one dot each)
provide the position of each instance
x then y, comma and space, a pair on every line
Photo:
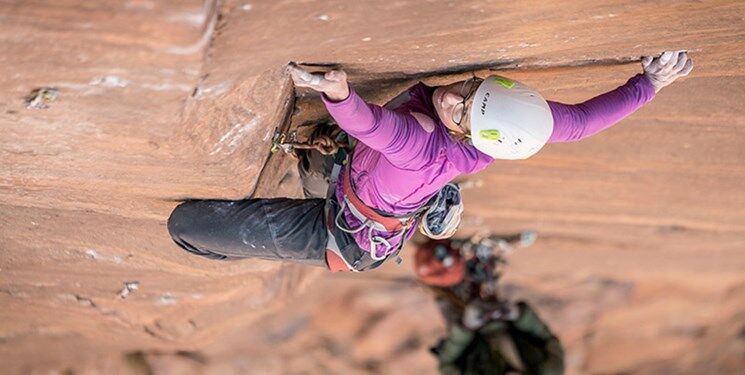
333, 83
666, 68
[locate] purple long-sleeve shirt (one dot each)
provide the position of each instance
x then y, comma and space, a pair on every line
399, 164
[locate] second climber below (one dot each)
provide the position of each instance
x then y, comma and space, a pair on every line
405, 157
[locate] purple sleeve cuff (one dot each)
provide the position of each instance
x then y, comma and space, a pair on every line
645, 86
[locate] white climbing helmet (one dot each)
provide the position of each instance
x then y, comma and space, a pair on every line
509, 120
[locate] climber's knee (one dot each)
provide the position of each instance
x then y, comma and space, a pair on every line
182, 226
178, 222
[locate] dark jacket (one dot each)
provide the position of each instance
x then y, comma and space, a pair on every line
479, 352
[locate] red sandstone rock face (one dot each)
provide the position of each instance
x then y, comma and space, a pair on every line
639, 264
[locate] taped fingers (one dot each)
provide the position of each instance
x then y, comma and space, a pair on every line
654, 65
665, 57
302, 78
687, 68
681, 62
646, 60
666, 68
669, 64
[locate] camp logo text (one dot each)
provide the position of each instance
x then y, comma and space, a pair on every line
483, 103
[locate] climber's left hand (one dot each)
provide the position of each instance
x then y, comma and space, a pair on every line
333, 83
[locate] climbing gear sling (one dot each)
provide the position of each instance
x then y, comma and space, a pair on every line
442, 218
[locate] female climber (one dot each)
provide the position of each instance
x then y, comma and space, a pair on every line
398, 173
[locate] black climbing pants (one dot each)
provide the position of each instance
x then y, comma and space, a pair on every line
278, 229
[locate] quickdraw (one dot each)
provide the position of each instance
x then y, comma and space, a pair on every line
288, 143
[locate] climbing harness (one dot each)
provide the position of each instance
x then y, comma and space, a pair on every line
369, 218
372, 220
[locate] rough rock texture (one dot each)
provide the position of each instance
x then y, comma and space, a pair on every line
639, 265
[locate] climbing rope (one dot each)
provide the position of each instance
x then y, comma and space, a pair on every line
325, 144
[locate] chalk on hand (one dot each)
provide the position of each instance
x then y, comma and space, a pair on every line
310, 78
666, 56
305, 76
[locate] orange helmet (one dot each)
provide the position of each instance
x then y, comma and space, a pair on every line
438, 263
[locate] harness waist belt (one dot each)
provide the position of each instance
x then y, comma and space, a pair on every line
391, 224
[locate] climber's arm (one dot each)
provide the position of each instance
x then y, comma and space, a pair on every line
398, 136
578, 121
